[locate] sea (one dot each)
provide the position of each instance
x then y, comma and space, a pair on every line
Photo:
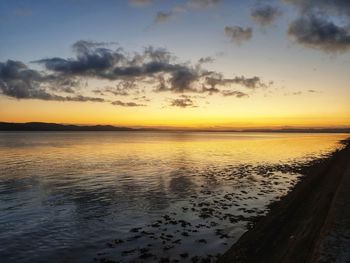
142, 196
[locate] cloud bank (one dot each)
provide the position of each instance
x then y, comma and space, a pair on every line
155, 69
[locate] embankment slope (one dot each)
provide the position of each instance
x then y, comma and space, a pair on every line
310, 224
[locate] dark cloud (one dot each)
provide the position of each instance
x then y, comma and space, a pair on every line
164, 16
211, 90
130, 74
330, 7
83, 46
161, 84
182, 79
123, 88
238, 34
158, 54
319, 33
17, 70
117, 91
206, 60
183, 102
127, 104
235, 93
99, 62
19, 82
94, 61
142, 98
322, 24
81, 98
62, 84
250, 83
265, 15
91, 58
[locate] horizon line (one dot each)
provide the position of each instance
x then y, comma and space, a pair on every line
37, 126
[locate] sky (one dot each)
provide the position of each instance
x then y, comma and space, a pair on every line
188, 64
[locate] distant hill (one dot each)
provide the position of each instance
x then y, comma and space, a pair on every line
42, 126
304, 130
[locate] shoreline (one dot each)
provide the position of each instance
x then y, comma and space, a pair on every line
304, 225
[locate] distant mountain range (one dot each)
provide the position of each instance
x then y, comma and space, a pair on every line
42, 126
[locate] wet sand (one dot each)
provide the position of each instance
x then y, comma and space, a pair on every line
310, 224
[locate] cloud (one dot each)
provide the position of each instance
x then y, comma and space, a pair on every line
91, 57
265, 15
19, 82
330, 7
142, 98
182, 79
127, 104
235, 93
156, 69
238, 34
81, 98
206, 60
183, 102
322, 24
94, 61
61, 83
250, 83
162, 17
319, 33
299, 92
210, 91
123, 88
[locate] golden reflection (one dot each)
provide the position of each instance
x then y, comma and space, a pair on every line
162, 147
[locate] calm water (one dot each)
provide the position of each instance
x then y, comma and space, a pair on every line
140, 197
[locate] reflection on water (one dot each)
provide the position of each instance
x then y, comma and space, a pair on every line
77, 196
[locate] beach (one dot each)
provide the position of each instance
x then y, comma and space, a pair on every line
310, 224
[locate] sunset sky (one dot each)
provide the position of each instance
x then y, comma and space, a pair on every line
191, 63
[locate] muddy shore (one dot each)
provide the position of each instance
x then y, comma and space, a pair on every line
310, 224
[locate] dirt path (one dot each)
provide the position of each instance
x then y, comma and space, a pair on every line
311, 224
